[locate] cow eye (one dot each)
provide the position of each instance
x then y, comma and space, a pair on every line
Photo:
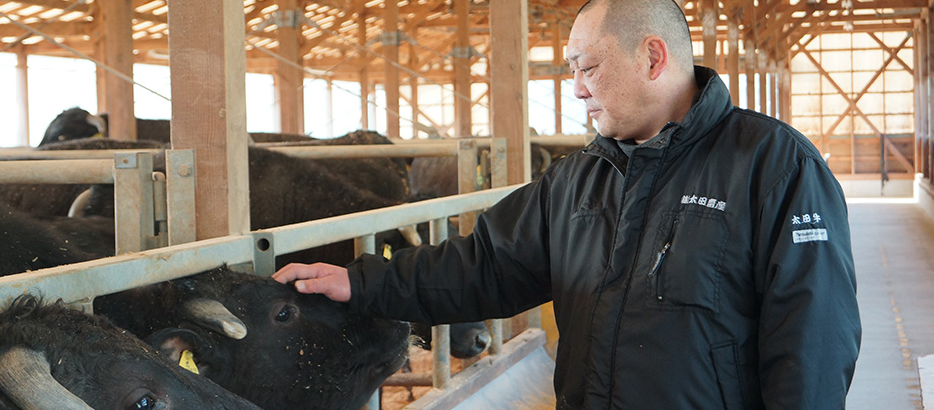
144, 403
285, 314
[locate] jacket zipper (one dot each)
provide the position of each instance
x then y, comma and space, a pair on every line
659, 258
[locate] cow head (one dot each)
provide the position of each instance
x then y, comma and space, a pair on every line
297, 351
71, 124
56, 358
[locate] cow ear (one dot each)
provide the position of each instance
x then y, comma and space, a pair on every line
185, 347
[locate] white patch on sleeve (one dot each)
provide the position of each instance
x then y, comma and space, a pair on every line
809, 235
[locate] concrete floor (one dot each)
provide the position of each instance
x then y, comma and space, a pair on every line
893, 247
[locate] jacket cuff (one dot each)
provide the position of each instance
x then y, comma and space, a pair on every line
355, 275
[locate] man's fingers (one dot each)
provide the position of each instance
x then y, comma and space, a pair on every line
329, 280
295, 271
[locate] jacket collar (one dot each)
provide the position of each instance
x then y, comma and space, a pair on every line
712, 105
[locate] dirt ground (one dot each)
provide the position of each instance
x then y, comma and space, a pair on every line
396, 397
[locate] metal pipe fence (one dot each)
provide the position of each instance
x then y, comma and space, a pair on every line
80, 283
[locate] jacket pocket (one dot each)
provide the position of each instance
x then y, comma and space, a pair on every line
685, 269
729, 377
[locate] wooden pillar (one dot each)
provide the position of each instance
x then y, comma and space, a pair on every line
921, 95
462, 100
509, 36
391, 41
364, 72
929, 86
732, 35
749, 38
708, 12
489, 88
288, 78
413, 80
773, 87
763, 68
208, 65
115, 49
330, 108
22, 95
785, 87
557, 63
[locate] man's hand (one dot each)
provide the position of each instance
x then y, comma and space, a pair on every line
329, 280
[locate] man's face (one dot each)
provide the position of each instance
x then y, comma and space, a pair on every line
608, 78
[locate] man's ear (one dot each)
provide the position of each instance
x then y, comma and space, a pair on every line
174, 343
657, 51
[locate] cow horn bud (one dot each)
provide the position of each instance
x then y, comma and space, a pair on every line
411, 234
77, 206
215, 316
546, 159
26, 378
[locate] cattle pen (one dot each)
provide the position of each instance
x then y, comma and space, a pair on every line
142, 203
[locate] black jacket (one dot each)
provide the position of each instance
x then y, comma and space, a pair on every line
714, 272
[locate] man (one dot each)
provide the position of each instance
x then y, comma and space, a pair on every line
698, 254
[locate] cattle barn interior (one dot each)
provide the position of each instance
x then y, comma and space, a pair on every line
851, 75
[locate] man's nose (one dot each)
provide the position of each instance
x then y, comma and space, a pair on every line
580, 89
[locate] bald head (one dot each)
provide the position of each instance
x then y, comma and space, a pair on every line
631, 21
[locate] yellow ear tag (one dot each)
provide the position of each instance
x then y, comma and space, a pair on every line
98, 135
387, 251
187, 361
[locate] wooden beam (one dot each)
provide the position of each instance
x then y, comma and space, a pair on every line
872, 5
208, 64
115, 95
510, 73
54, 29
86, 9
855, 109
894, 53
775, 27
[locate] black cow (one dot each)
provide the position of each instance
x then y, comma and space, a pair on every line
55, 358
318, 354
433, 177
385, 177
77, 123
27, 243
293, 351
56, 199
73, 123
